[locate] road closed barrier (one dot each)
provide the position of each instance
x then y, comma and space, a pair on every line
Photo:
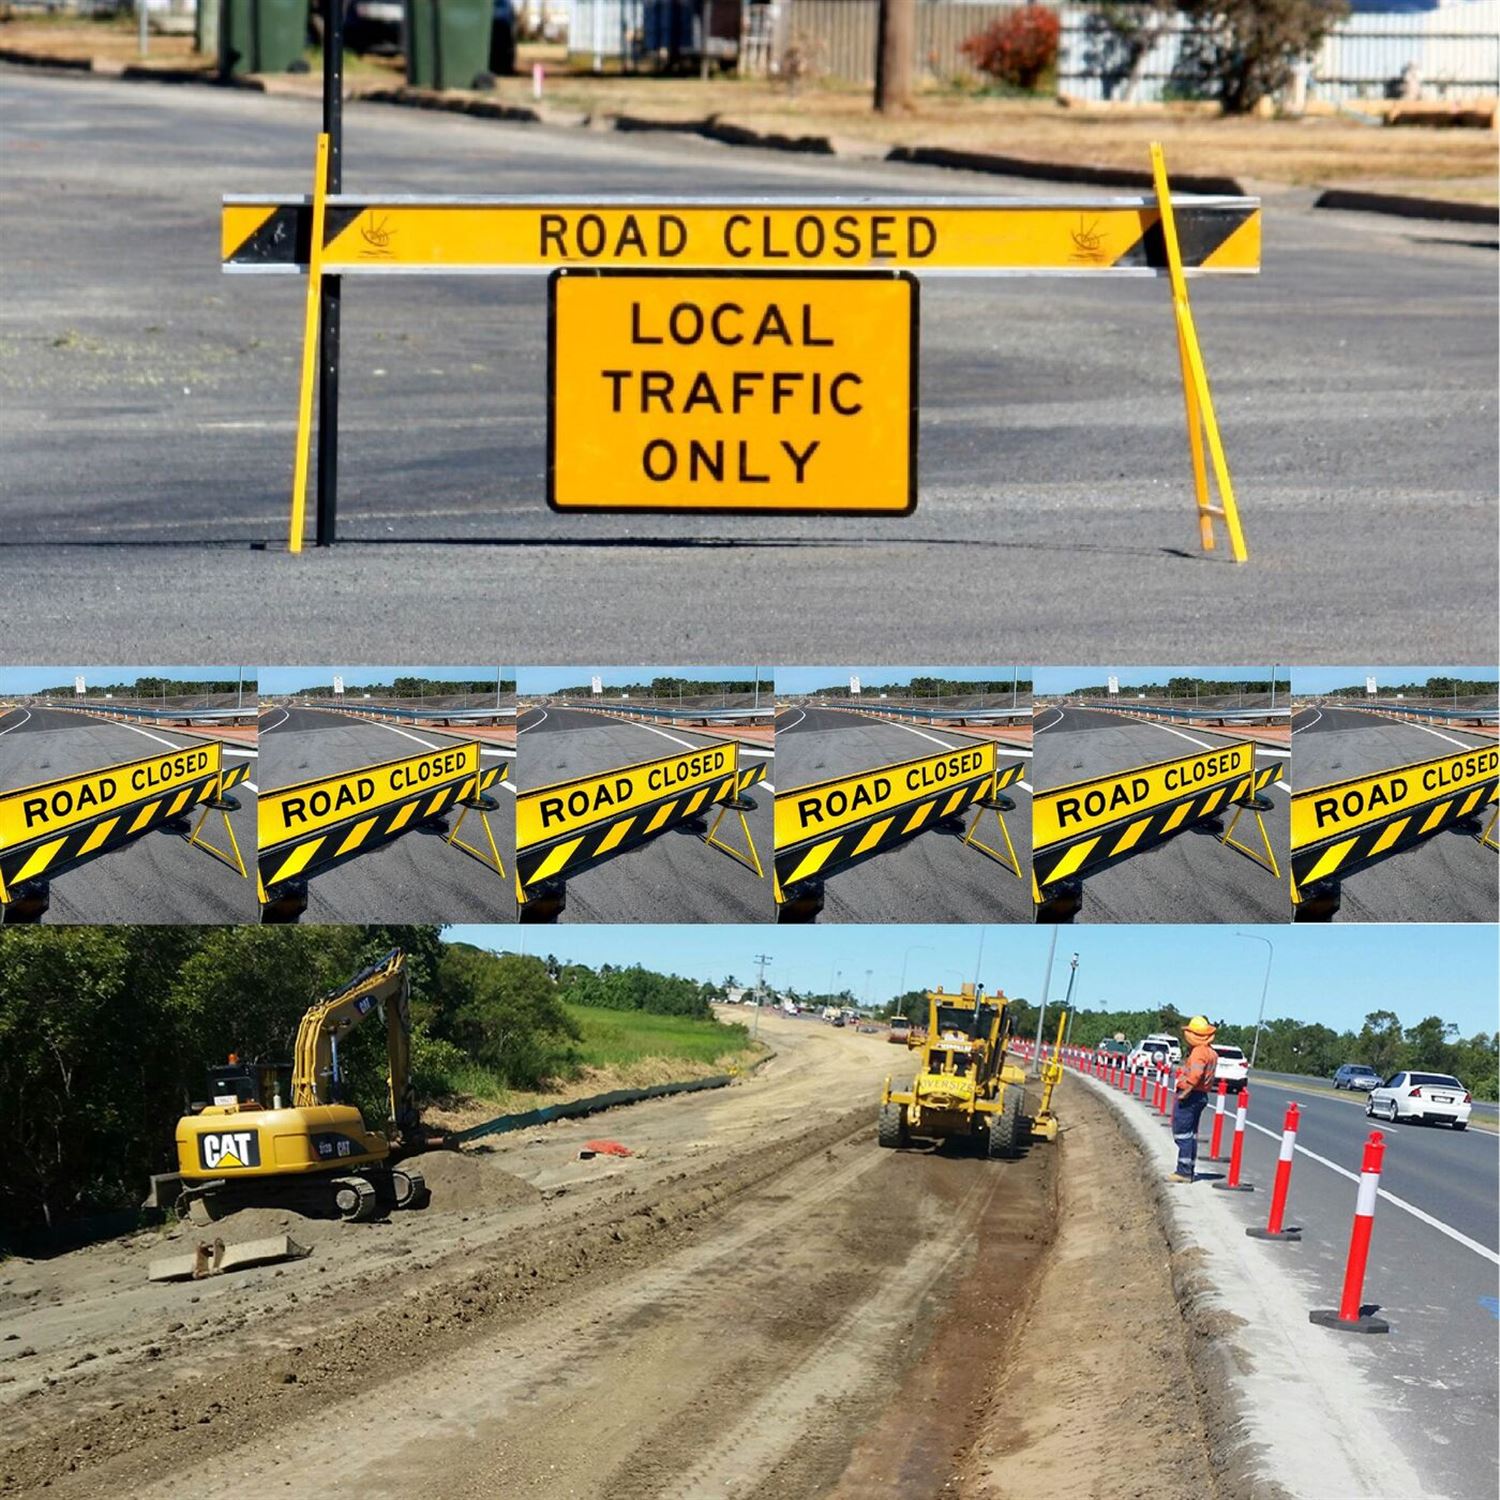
827, 826
1086, 826
313, 825
53, 826
1343, 827
741, 355
569, 826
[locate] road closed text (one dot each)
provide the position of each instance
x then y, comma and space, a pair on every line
1324, 812
53, 806
708, 392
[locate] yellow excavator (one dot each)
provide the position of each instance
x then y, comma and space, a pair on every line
248, 1148
964, 1087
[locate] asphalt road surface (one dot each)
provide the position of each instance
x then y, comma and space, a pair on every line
1191, 876
932, 877
1432, 1270
674, 876
415, 877
148, 407
1450, 877
156, 877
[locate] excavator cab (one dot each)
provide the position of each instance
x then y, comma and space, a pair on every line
248, 1085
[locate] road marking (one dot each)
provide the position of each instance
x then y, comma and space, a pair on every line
277, 725
803, 714
1310, 724
920, 734
1401, 1203
1206, 745
25, 711
1042, 728
755, 750
525, 727
1280, 785
136, 729
686, 744
1426, 730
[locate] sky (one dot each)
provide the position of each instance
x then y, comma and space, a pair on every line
550, 679
809, 679
276, 680
31, 679
1334, 974
1325, 679
1066, 679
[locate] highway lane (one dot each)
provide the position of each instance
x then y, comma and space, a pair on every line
1450, 877
148, 406
415, 877
1191, 876
931, 877
674, 876
1485, 1110
156, 877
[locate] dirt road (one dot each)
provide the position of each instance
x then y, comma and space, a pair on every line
759, 1302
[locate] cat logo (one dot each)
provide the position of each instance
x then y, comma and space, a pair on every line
227, 1150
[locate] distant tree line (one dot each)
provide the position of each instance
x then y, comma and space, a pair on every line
1188, 687
107, 1033
669, 687
412, 687
926, 687
1434, 687
149, 687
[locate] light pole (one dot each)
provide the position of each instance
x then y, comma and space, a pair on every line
1041, 1011
761, 960
1068, 998
1260, 1015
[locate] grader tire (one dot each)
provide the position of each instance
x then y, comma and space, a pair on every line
891, 1131
1005, 1128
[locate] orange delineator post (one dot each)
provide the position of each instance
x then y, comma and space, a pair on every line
1274, 1221
1349, 1317
1216, 1141
1232, 1183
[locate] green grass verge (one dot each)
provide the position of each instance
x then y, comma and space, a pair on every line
617, 1038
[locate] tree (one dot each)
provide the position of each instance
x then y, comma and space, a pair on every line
1118, 36
1380, 1043
1242, 51
895, 46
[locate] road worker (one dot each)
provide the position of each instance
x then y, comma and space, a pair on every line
1194, 1080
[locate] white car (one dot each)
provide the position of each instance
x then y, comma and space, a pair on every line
1421, 1096
1233, 1068
1148, 1056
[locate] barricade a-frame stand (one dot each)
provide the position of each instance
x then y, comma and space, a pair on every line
483, 804
1255, 805
999, 804
223, 804
1201, 421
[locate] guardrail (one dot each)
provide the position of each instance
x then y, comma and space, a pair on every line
651, 711
425, 715
933, 715
1211, 714
1408, 710
153, 715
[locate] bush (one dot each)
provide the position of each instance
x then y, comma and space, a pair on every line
1019, 49
1243, 51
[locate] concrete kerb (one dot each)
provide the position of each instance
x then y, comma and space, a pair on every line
1299, 1417
716, 128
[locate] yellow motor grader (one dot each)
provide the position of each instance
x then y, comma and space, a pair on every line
964, 1088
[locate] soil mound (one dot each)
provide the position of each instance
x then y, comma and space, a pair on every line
467, 1183
261, 1223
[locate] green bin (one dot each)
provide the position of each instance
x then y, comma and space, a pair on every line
447, 42
261, 36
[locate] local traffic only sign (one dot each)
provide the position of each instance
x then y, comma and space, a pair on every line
1345, 826
314, 825
570, 826
739, 355
1079, 829
732, 393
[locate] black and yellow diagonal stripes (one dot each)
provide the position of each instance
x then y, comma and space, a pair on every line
1008, 775
821, 857
1073, 236
51, 855
747, 776
1341, 857
309, 826
556, 859
1072, 859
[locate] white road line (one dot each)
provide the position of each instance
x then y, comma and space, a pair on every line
240, 750
1206, 745
1024, 785
755, 750
25, 711
492, 750
1042, 728
771, 789
525, 727
136, 729
802, 713
277, 725
920, 733
250, 786
1280, 785
686, 744
1426, 730
1301, 727
1401, 1203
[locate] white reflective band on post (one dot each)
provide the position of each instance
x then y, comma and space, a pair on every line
1219, 1104
1288, 1141
1369, 1186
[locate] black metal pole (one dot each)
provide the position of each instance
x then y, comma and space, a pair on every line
332, 293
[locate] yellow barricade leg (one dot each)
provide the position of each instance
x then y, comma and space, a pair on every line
1196, 395
309, 348
1487, 838
1266, 861
1008, 860
492, 858
195, 841
751, 861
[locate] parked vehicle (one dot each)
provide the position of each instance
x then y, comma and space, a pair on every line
1356, 1076
1233, 1068
1428, 1097
900, 1030
1148, 1055
1112, 1049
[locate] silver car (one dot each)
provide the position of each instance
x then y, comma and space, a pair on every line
1428, 1097
1356, 1076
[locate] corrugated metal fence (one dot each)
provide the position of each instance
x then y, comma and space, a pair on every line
837, 37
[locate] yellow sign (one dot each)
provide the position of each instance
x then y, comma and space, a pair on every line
1343, 807
52, 807
566, 807
292, 812
1066, 812
732, 393
1082, 236
825, 807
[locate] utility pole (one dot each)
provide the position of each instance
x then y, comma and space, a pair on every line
761, 960
895, 44
1260, 1017
1041, 1014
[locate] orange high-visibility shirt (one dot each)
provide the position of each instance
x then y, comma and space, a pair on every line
1197, 1075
